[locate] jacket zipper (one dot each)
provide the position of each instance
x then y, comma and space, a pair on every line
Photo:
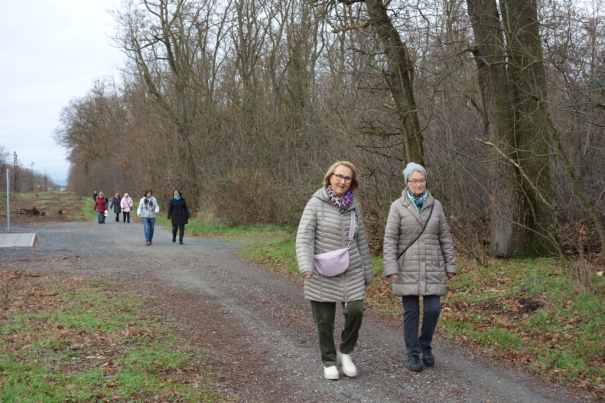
344, 280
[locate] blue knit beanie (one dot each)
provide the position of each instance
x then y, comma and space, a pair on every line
412, 166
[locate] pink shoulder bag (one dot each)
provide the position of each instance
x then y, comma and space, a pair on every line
331, 264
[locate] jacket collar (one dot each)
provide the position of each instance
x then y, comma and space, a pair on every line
405, 200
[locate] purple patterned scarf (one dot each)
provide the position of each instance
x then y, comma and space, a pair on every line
341, 204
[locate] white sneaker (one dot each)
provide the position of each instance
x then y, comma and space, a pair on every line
348, 368
331, 373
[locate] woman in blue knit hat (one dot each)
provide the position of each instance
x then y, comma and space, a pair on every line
419, 258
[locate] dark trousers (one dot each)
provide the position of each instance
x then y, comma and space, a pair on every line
126, 215
411, 317
100, 217
181, 229
324, 314
117, 217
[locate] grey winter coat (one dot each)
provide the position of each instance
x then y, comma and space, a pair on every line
422, 268
323, 229
115, 204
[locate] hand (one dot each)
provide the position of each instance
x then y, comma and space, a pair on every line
308, 276
450, 275
139, 215
394, 276
169, 219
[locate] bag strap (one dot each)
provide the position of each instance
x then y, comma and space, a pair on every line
421, 232
352, 230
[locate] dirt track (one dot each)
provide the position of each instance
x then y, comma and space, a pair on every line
257, 327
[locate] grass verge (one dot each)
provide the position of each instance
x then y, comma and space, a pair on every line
50, 206
85, 340
532, 311
198, 227
88, 211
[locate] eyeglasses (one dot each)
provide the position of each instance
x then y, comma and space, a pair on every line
414, 181
339, 178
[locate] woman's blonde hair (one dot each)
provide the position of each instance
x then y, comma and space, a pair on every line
354, 181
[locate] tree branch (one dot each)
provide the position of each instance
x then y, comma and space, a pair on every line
352, 27
512, 161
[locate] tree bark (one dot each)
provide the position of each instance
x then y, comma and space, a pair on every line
528, 91
508, 213
400, 78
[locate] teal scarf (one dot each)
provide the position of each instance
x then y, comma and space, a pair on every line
418, 201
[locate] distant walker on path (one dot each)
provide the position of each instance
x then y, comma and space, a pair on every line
115, 204
148, 209
178, 213
100, 207
126, 205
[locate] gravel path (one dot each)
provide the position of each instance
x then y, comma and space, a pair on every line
257, 327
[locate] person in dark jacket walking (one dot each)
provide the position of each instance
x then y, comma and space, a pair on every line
100, 208
115, 204
178, 213
94, 196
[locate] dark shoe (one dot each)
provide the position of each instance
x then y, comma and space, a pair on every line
173, 240
414, 364
427, 357
181, 242
150, 241
147, 243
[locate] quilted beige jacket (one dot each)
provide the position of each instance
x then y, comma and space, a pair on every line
323, 229
422, 268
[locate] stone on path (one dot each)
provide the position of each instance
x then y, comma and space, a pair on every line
10, 240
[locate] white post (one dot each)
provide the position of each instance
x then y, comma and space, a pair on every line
8, 210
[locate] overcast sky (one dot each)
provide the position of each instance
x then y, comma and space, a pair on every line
51, 53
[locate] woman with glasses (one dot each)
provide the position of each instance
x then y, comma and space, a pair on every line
325, 226
419, 258
147, 210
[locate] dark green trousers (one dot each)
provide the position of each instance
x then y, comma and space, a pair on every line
324, 314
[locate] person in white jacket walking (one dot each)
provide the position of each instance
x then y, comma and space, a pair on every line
147, 210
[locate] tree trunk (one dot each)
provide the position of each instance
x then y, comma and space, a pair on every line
400, 78
508, 214
528, 86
